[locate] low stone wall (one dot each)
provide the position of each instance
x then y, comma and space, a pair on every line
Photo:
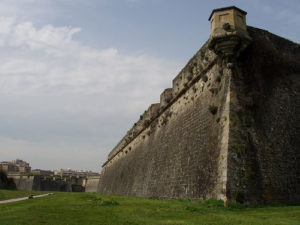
45, 183
23, 182
92, 183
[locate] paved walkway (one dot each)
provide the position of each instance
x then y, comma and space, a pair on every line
24, 198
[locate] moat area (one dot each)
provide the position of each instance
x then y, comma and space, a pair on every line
90, 209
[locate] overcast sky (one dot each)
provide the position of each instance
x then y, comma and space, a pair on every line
76, 74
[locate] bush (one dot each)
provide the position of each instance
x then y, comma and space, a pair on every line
5, 182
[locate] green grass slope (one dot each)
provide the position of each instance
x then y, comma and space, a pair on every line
9, 194
95, 209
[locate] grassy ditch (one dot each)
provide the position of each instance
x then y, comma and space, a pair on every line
91, 209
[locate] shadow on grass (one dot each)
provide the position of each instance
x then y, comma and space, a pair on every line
203, 205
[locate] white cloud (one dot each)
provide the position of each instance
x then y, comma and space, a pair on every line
54, 89
46, 37
78, 66
5, 28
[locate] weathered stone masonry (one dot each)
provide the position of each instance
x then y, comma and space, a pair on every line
47, 183
227, 129
184, 131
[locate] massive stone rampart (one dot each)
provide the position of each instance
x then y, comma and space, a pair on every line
226, 129
181, 151
264, 144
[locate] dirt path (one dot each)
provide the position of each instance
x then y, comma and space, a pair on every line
24, 198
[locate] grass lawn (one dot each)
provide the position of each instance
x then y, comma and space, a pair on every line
95, 209
8, 194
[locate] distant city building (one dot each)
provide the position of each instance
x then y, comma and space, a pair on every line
42, 172
20, 166
15, 166
69, 172
9, 167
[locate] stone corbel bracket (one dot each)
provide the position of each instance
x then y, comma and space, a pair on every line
228, 32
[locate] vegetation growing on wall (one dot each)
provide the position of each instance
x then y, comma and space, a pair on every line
5, 182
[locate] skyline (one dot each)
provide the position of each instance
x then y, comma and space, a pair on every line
76, 75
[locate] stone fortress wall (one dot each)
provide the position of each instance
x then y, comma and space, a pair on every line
92, 183
264, 144
23, 182
178, 147
228, 128
46, 183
